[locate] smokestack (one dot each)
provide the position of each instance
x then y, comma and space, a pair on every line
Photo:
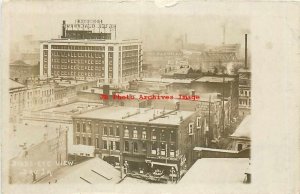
64, 29
246, 51
106, 92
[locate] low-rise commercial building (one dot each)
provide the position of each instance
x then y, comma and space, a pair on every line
143, 137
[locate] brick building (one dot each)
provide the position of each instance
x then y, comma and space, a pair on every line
145, 138
17, 98
244, 92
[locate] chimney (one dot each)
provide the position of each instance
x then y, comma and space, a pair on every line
246, 51
177, 107
64, 29
193, 92
224, 34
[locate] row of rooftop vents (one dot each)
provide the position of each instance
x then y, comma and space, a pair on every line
156, 113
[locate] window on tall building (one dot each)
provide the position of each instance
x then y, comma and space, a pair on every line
89, 141
117, 131
163, 136
144, 146
144, 135
89, 127
153, 134
111, 131
126, 146
154, 148
104, 130
111, 147
239, 147
126, 133
83, 127
104, 144
173, 136
172, 150
97, 129
135, 134
117, 145
97, 142
77, 140
198, 122
163, 149
135, 147
191, 128
78, 127
83, 140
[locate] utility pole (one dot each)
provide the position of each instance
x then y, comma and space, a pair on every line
121, 164
246, 52
209, 129
109, 147
223, 112
166, 153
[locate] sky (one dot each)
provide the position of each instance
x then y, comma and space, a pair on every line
158, 28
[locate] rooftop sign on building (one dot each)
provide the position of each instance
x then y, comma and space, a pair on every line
88, 29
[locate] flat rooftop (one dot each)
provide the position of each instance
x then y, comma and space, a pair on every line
96, 90
167, 80
120, 113
92, 41
73, 108
214, 79
93, 171
243, 70
67, 83
217, 170
214, 150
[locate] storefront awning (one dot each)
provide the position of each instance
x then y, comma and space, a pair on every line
165, 164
